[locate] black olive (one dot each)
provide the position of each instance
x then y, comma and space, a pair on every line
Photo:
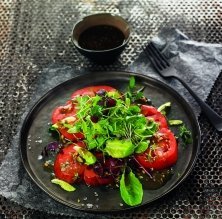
94, 118
110, 102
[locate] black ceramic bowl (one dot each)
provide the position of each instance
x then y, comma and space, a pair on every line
98, 50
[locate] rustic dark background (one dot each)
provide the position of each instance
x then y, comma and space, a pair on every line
36, 33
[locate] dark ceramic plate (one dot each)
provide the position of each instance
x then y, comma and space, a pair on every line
35, 134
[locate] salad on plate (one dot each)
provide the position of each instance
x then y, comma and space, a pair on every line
109, 138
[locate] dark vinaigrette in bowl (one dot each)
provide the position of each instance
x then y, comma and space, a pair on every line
101, 37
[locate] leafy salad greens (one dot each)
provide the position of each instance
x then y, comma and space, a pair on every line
112, 123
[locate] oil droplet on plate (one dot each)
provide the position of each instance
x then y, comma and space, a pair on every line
40, 157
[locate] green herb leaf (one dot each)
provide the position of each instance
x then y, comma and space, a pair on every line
73, 129
139, 95
91, 144
127, 101
142, 146
96, 110
52, 128
134, 109
164, 108
131, 189
185, 135
54, 132
64, 185
119, 148
86, 155
175, 122
132, 82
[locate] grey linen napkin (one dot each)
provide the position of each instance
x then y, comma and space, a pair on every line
198, 63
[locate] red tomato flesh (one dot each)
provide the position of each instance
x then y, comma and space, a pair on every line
165, 153
63, 112
91, 178
152, 113
147, 110
71, 136
91, 90
66, 166
69, 110
160, 119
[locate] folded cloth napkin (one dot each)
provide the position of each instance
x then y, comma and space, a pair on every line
198, 63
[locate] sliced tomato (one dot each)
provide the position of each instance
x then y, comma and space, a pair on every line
68, 110
91, 178
99, 173
105, 180
160, 119
66, 165
71, 136
63, 112
152, 113
164, 153
91, 90
148, 110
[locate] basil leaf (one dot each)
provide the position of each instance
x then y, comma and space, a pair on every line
64, 185
142, 146
119, 148
131, 189
86, 155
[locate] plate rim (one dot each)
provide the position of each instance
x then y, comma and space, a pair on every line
170, 90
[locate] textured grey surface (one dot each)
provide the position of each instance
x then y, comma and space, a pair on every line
190, 57
35, 33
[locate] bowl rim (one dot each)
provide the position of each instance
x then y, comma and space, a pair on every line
126, 40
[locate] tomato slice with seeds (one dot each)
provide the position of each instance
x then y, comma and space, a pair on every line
164, 153
100, 172
91, 178
91, 90
152, 113
71, 136
68, 110
66, 165
160, 119
148, 110
62, 112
